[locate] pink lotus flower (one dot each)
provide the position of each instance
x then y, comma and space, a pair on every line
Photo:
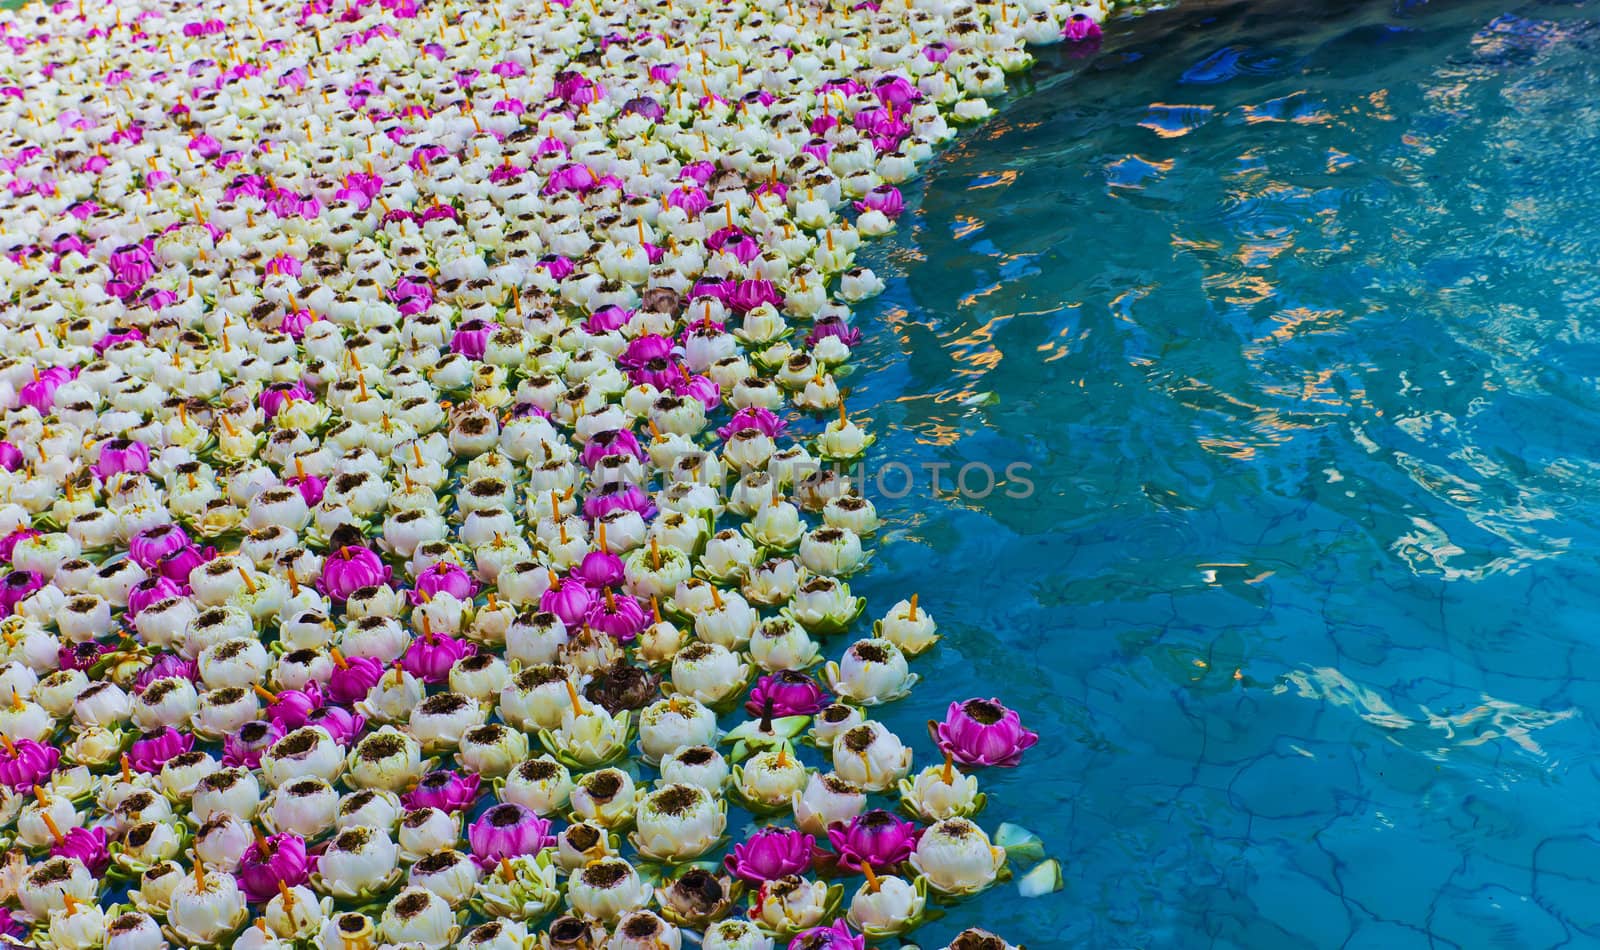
149, 591
770, 854
471, 339
351, 568
353, 678
295, 323
273, 861
342, 724
607, 320
444, 578
558, 267
166, 665
645, 348
618, 616
600, 569
444, 790
632, 498
507, 831
430, 656
702, 389
608, 443
9, 543
897, 92
89, 845
291, 708
833, 327
789, 692
115, 336
81, 656
750, 294
26, 763
734, 241
568, 599
149, 754
243, 749
877, 837
836, 936
176, 566
310, 487
1080, 27
983, 732
691, 200
885, 199
17, 587
149, 546
10, 457
936, 52
275, 397
759, 418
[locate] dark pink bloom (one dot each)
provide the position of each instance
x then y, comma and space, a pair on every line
885, 199
81, 656
759, 418
296, 322
600, 569
292, 708
17, 587
273, 861
770, 854
665, 72
632, 498
558, 267
10, 457
40, 394
836, 936
568, 599
645, 348
26, 763
342, 724
117, 336
877, 837
644, 106
176, 566
310, 487
444, 578
9, 543
351, 568
132, 264
149, 591
1080, 26
150, 753
353, 679
430, 656
571, 177
834, 327
276, 396
444, 790
691, 200
819, 149
896, 92
747, 295
166, 665
507, 831
607, 319
936, 52
618, 616
243, 749
89, 845
789, 692
704, 389
698, 172
611, 442
984, 732
149, 546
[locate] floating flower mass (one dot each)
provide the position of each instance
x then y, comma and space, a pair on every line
414, 529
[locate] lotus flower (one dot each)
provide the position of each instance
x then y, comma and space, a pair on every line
88, 845
17, 587
149, 546
770, 854
786, 693
353, 678
444, 578
26, 763
273, 863
836, 936
149, 754
876, 837
444, 790
983, 732
430, 656
506, 831
351, 568
1080, 27
471, 339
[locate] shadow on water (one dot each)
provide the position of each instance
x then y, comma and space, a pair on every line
1289, 311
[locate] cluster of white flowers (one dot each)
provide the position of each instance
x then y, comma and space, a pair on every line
396, 466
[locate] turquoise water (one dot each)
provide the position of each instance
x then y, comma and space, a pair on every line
1294, 312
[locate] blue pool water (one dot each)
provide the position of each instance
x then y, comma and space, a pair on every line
1294, 312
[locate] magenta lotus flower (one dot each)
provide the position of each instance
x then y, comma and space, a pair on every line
660, 373
702, 389
10, 541
243, 749
444, 790
633, 498
770, 854
444, 578
698, 172
936, 52
1080, 27
167, 665
150, 753
295, 323
342, 724
558, 267
983, 732
132, 264
122, 455
89, 845
576, 89
291, 708
26, 763
568, 599
149, 546
885, 199
820, 149
151, 590
736, 242
607, 320
876, 837
646, 107
790, 692
273, 861
430, 656
472, 338
691, 200
836, 936
618, 616
81, 656
611, 442
351, 568
40, 394
276, 396
17, 587
645, 348
896, 92
759, 418
747, 295
10, 457
116, 335
353, 678
176, 566
507, 830
600, 569
573, 176
310, 487
833, 327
